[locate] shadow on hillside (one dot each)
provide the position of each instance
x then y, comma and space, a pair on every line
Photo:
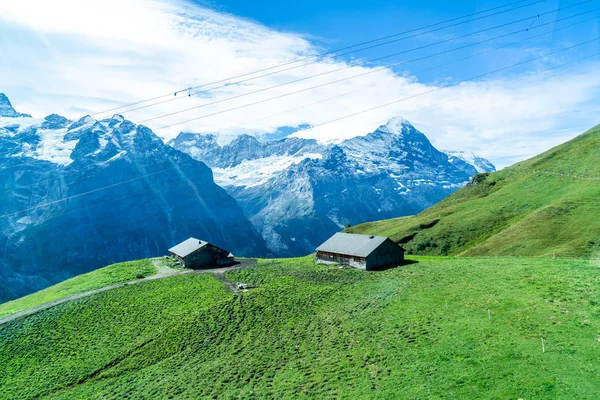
405, 262
237, 264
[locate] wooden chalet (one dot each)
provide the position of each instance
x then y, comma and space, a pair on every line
360, 251
195, 253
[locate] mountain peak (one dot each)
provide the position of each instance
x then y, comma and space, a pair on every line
245, 139
117, 118
83, 121
115, 121
396, 125
7, 110
54, 121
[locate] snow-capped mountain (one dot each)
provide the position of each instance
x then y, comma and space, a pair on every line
78, 195
480, 164
297, 192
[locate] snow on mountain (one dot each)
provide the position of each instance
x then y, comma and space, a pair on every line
54, 138
396, 125
247, 161
297, 192
479, 163
77, 195
258, 172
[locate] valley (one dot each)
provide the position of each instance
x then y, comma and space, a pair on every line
298, 192
114, 191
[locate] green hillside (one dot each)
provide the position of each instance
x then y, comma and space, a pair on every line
421, 331
117, 273
548, 205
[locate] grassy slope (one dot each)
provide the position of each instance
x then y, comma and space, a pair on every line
544, 206
107, 276
420, 331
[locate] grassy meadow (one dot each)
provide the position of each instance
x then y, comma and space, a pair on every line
116, 273
437, 328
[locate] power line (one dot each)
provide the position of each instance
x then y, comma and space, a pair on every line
95, 205
34, 183
418, 72
170, 94
14, 166
347, 67
86, 193
347, 78
459, 82
368, 87
474, 92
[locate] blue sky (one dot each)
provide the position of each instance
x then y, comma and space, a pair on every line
78, 58
336, 23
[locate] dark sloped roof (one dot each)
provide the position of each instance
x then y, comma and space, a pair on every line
187, 247
352, 244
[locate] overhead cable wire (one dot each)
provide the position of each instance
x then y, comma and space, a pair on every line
376, 70
417, 72
20, 187
476, 91
97, 204
317, 56
86, 193
14, 166
460, 82
360, 64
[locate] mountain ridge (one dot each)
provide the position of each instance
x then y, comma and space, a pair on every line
291, 187
109, 191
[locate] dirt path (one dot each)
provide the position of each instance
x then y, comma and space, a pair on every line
162, 271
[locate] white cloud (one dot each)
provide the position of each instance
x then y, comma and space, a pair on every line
74, 58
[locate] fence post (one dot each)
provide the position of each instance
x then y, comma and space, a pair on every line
543, 348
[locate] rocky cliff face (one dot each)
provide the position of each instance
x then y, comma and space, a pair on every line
78, 195
7, 110
298, 192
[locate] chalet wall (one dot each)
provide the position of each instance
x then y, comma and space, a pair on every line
387, 254
324, 257
199, 258
206, 256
